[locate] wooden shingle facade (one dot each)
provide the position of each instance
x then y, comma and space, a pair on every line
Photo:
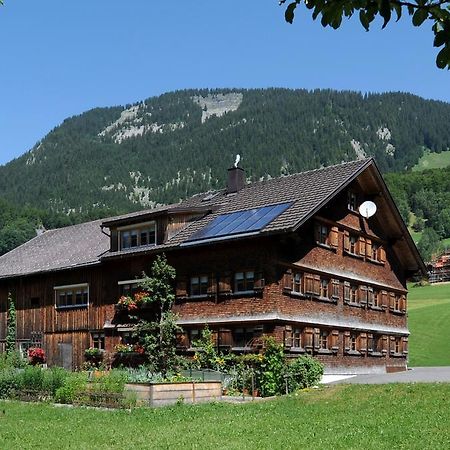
289, 257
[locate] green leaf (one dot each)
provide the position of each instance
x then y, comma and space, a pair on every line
385, 12
419, 17
398, 10
441, 38
443, 58
364, 19
289, 13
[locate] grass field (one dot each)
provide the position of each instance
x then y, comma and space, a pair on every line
431, 160
412, 416
429, 324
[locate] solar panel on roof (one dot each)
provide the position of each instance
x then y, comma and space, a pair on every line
239, 222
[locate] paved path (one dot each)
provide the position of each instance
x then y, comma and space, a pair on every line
414, 375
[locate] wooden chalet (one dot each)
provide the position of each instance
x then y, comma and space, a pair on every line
289, 257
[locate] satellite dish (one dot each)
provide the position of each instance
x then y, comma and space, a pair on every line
368, 209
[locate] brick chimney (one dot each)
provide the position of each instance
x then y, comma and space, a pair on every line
236, 179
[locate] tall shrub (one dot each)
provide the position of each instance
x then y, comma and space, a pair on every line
11, 326
272, 368
158, 337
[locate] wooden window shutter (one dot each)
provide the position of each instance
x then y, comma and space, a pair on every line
362, 246
288, 336
335, 289
369, 342
309, 283
391, 345
370, 297
225, 283
335, 341
385, 341
346, 241
347, 341
391, 301
212, 284
403, 303
368, 248
384, 299
181, 287
363, 342
362, 295
382, 254
334, 236
287, 281
316, 338
316, 290
405, 345
308, 337
346, 291
259, 281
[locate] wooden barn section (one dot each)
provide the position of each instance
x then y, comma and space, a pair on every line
290, 257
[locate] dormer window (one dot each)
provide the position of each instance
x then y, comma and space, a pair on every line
137, 235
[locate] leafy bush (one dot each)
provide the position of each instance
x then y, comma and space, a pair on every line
111, 382
32, 378
303, 372
74, 384
272, 368
9, 382
54, 379
12, 360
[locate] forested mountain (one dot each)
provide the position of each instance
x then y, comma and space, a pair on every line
111, 160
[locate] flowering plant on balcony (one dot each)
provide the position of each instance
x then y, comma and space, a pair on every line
93, 353
129, 348
36, 356
135, 302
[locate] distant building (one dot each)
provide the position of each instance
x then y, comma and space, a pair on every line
290, 257
439, 270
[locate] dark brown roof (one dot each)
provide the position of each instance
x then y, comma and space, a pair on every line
69, 247
85, 243
308, 192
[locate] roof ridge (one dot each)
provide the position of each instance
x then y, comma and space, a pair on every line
282, 177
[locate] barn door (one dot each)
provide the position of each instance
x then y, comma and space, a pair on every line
65, 355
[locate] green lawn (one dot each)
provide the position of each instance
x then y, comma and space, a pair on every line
413, 416
431, 160
429, 324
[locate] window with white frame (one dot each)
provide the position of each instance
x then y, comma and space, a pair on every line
129, 287
72, 296
98, 340
137, 236
297, 282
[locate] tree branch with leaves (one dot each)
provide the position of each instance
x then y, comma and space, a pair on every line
332, 12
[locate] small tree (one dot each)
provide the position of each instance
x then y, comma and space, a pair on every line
11, 326
158, 337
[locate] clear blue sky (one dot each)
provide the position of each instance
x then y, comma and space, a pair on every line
60, 58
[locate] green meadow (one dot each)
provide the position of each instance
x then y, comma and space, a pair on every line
431, 160
409, 416
429, 324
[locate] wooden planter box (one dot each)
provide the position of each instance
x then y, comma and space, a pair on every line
161, 394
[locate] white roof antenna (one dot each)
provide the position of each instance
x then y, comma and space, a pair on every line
368, 209
238, 158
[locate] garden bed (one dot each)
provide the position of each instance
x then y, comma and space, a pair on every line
161, 394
